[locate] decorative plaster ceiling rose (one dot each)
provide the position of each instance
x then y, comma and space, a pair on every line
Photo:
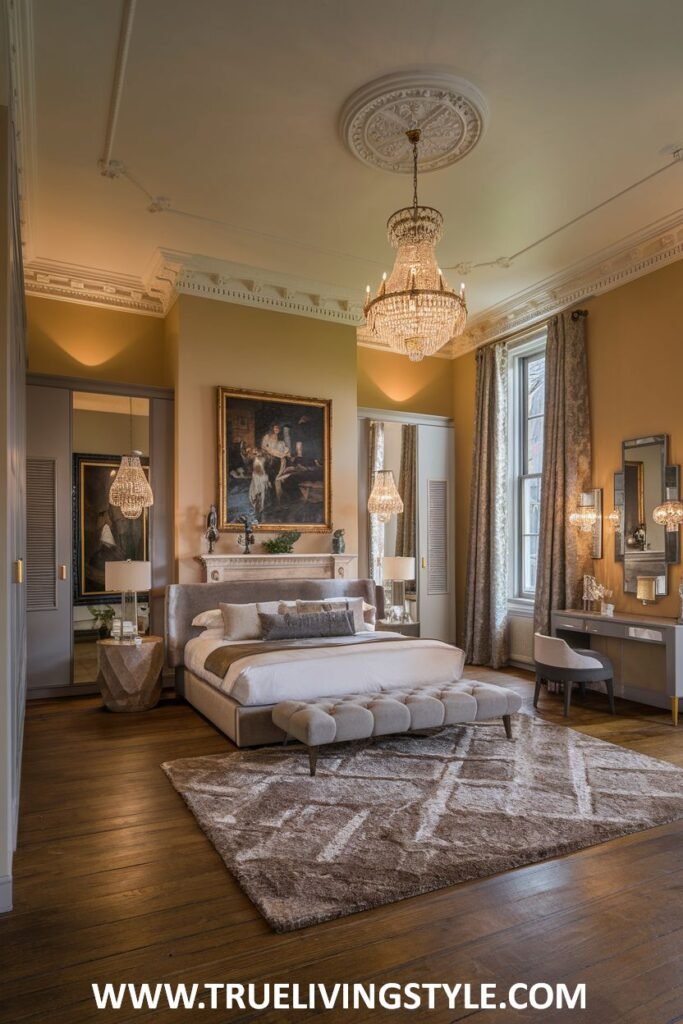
450, 113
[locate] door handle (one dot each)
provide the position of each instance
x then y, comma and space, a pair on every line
62, 572
424, 562
19, 570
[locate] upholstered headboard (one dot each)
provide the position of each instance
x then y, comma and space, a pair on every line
185, 600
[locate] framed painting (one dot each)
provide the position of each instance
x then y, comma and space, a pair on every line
274, 461
101, 531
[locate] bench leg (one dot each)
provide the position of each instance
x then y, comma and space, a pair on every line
507, 722
312, 758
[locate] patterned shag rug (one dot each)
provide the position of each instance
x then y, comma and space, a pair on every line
408, 814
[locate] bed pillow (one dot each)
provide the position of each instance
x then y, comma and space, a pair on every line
335, 604
310, 624
369, 614
286, 608
212, 619
240, 622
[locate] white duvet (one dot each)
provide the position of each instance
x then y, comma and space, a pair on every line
305, 674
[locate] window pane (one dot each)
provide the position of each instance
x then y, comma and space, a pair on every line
531, 505
534, 444
535, 383
529, 562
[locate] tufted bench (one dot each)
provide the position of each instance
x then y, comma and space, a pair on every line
359, 716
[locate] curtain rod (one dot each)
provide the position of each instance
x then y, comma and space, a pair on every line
576, 314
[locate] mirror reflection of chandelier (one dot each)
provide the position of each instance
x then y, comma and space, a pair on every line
415, 312
130, 490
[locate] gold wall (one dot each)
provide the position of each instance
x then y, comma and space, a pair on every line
387, 380
70, 340
635, 365
219, 343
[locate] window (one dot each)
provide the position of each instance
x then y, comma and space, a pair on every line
527, 385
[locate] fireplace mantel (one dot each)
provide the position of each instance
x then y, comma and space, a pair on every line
312, 566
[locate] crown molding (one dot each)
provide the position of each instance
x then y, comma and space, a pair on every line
640, 253
22, 100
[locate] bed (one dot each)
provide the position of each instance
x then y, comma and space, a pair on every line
240, 702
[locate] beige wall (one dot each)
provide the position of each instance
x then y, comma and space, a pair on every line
635, 365
387, 380
70, 340
218, 343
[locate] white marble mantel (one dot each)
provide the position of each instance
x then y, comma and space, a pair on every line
311, 566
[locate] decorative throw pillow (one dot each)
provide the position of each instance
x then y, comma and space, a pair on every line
335, 604
212, 619
241, 622
303, 626
286, 608
369, 614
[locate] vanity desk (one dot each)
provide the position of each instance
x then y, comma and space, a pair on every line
646, 652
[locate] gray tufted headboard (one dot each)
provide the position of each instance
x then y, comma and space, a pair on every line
185, 600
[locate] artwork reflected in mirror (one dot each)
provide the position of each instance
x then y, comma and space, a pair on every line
101, 531
274, 461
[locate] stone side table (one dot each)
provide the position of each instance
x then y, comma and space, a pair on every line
130, 674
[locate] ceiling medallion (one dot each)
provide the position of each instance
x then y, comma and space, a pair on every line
415, 311
449, 112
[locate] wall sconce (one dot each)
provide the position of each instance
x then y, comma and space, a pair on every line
384, 500
646, 588
614, 519
669, 514
587, 518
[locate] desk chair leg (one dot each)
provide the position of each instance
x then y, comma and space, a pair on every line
507, 722
610, 695
537, 691
567, 698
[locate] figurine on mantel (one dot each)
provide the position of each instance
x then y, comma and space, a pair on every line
338, 542
212, 532
247, 538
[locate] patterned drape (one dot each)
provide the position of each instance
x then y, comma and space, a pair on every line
564, 553
486, 641
407, 484
375, 527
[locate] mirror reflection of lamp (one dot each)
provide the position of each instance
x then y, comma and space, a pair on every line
669, 514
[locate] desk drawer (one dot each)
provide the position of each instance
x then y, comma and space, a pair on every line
606, 628
567, 622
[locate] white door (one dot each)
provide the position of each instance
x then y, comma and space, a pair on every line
48, 537
436, 517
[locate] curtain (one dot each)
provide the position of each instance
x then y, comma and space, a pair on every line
375, 527
564, 553
486, 641
406, 521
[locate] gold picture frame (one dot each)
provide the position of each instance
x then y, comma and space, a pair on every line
274, 461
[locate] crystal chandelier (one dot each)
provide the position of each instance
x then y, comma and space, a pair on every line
415, 311
384, 500
131, 491
669, 514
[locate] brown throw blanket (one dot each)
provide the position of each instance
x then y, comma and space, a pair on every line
220, 660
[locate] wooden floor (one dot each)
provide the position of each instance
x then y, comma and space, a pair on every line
115, 882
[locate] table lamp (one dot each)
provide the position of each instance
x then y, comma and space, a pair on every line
398, 569
129, 578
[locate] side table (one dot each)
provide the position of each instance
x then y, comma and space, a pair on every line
129, 674
406, 628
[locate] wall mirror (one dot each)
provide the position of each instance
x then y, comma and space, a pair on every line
644, 547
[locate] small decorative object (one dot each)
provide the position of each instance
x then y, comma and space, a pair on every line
594, 591
247, 538
646, 588
212, 533
384, 500
338, 542
274, 462
103, 616
282, 545
415, 311
669, 514
129, 578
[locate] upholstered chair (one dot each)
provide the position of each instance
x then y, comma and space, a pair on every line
556, 662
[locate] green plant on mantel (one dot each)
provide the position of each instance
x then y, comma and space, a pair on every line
283, 544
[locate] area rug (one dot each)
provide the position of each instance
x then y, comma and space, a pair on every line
409, 814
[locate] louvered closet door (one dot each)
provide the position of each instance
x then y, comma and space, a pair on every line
48, 538
436, 512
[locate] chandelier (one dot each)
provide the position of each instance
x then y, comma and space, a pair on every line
415, 312
131, 491
669, 514
384, 500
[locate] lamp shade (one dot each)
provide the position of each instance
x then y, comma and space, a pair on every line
122, 576
646, 588
397, 568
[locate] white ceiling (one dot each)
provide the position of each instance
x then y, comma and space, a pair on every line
231, 110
